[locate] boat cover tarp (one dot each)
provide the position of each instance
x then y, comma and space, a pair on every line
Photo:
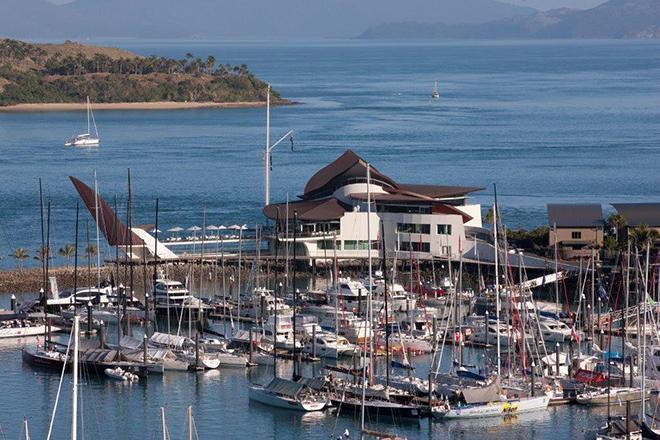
174, 341
285, 387
131, 343
490, 393
315, 383
467, 374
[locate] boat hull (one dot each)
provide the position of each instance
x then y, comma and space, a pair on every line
261, 395
495, 409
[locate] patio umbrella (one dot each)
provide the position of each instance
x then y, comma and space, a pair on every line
153, 231
212, 228
194, 228
222, 227
175, 229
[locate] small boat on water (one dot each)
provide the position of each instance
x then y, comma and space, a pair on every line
614, 397
436, 92
50, 359
504, 408
119, 374
86, 139
23, 328
352, 406
287, 394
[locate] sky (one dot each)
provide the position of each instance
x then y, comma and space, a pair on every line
553, 4
538, 4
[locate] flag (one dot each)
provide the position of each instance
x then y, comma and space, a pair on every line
291, 140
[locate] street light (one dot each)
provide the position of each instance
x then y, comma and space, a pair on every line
268, 149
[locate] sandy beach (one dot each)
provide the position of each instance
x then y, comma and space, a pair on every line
164, 105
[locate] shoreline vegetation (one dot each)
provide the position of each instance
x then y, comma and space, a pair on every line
59, 77
155, 105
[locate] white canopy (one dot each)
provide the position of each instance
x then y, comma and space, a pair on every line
175, 229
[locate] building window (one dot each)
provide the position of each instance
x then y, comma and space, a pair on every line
416, 246
327, 244
444, 229
446, 250
350, 245
576, 235
413, 228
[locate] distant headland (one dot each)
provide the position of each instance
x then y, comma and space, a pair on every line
59, 77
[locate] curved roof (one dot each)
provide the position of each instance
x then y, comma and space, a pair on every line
309, 210
348, 165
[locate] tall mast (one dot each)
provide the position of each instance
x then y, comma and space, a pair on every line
162, 421
497, 283
75, 261
267, 151
387, 339
44, 287
190, 423
98, 239
556, 270
74, 401
295, 295
88, 125
368, 314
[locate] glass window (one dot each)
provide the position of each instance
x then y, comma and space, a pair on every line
327, 244
444, 229
413, 228
415, 246
576, 235
446, 250
350, 245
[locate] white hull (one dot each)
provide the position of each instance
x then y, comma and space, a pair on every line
259, 394
230, 359
495, 409
83, 143
23, 332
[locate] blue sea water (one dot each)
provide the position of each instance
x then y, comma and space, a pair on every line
549, 121
552, 121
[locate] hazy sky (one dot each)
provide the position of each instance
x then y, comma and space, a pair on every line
538, 4
552, 4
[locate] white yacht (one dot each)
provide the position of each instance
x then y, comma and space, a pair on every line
505, 333
398, 300
86, 139
287, 394
284, 333
553, 330
351, 327
351, 296
327, 344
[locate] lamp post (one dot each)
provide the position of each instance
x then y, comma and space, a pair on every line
268, 150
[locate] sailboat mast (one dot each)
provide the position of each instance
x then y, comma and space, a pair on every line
190, 423
44, 288
88, 121
387, 339
162, 422
267, 151
98, 239
497, 283
368, 314
74, 402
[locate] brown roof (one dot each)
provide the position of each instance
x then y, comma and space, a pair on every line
438, 191
639, 213
308, 210
575, 215
346, 166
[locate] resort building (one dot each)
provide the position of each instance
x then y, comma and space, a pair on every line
576, 228
424, 220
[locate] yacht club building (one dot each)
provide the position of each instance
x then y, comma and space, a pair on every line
427, 220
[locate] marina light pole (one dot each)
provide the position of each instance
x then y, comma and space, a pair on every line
269, 149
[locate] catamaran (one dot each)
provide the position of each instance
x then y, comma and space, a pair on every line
86, 139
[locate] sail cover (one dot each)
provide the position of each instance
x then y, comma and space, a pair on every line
285, 387
113, 229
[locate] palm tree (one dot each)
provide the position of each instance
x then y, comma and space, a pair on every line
90, 250
644, 236
20, 254
617, 222
42, 253
68, 251
210, 63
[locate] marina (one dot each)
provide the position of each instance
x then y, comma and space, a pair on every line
361, 307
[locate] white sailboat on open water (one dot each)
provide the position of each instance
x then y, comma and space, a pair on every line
86, 139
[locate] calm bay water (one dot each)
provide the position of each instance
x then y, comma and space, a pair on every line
546, 121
